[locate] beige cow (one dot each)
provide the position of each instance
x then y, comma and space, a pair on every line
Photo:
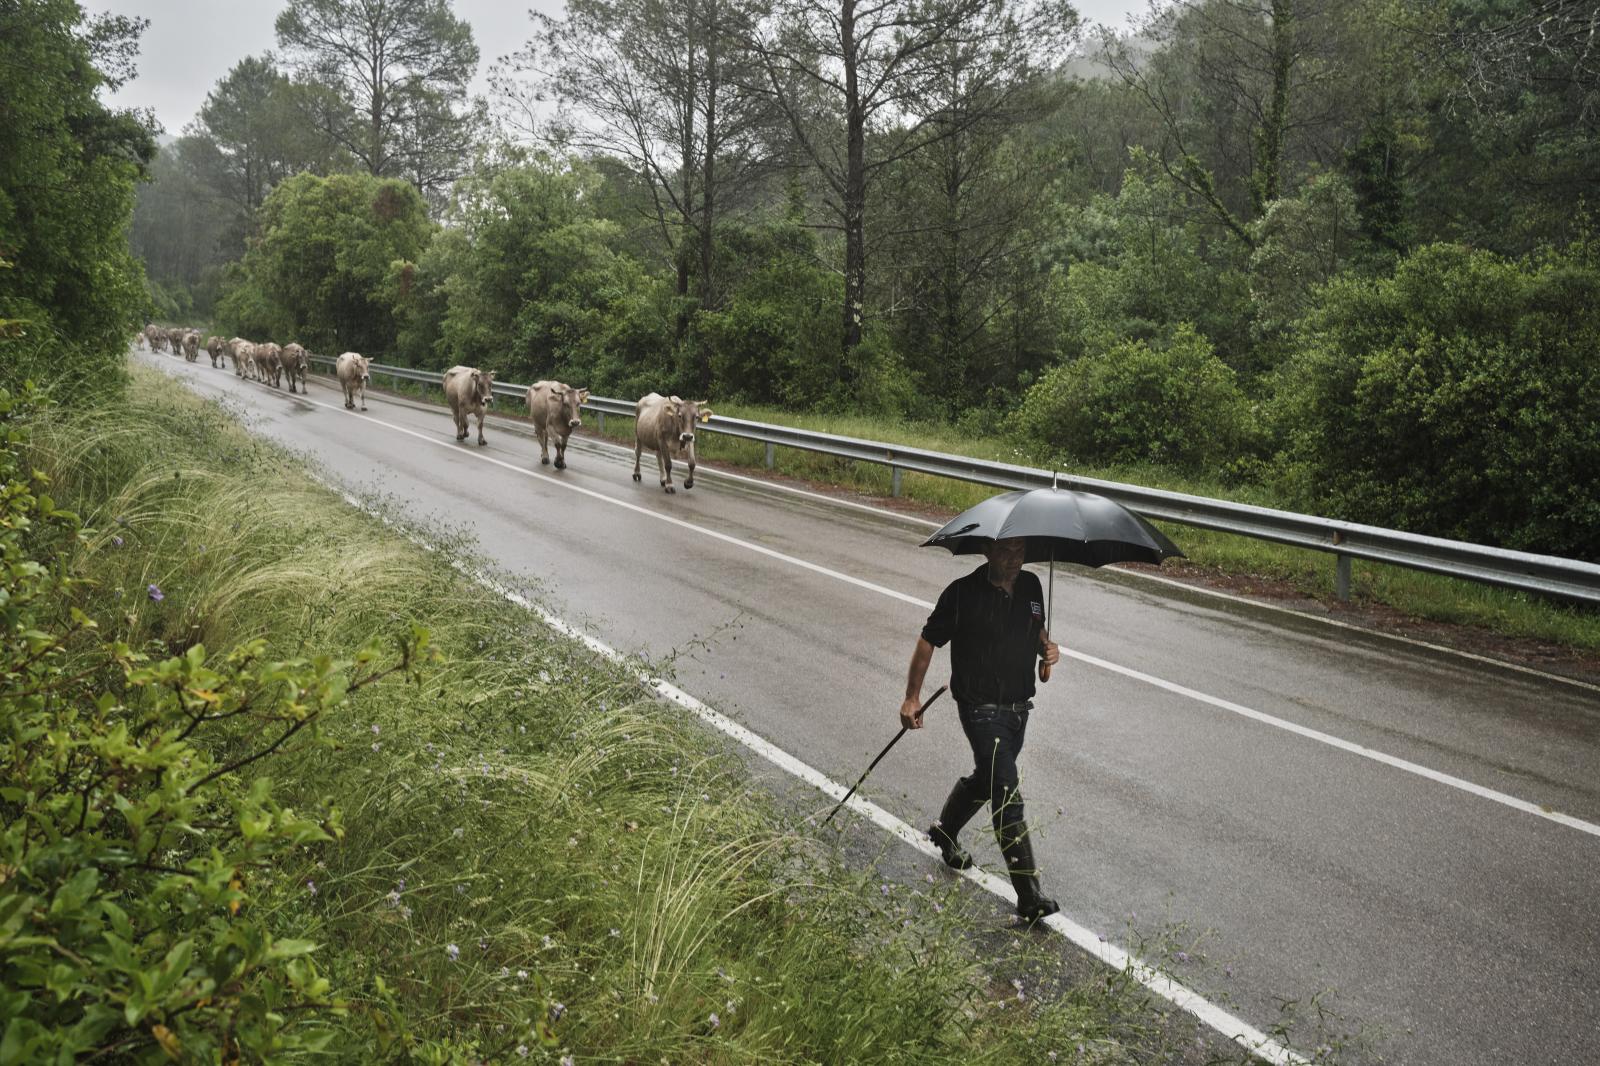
244, 358
216, 347
555, 411
353, 376
665, 425
175, 340
295, 365
469, 391
156, 337
191, 345
269, 364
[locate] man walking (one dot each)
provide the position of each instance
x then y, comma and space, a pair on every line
994, 621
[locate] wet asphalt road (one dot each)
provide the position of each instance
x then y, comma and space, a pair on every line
1452, 928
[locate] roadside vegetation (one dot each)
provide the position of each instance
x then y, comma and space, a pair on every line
279, 783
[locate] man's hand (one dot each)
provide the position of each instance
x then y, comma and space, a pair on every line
1049, 652
911, 713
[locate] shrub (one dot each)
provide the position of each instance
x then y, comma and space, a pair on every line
1459, 397
1133, 402
132, 848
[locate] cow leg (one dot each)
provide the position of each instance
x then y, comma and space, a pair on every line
664, 464
481, 441
688, 482
561, 453
638, 448
363, 387
544, 449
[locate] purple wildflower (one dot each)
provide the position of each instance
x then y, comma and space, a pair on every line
117, 541
716, 1023
557, 1011
156, 593
453, 951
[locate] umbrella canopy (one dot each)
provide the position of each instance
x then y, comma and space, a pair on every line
1060, 525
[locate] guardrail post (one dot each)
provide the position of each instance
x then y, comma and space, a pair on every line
894, 481
769, 455
602, 423
1341, 579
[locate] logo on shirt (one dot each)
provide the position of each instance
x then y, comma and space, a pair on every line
1037, 609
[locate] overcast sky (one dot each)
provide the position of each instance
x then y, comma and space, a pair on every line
192, 43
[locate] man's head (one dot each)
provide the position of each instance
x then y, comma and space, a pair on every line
1005, 557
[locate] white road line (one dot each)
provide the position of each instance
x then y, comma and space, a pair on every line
1213, 701
1179, 995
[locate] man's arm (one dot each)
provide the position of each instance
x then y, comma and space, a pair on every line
920, 658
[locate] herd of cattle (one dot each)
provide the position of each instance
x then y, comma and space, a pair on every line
663, 424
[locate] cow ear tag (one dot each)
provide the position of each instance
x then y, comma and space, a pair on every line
705, 418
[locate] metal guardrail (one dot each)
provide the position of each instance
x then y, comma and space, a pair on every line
1543, 574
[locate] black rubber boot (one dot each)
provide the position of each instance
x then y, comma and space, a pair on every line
1032, 904
959, 809
954, 855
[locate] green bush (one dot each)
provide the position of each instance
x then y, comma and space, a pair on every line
776, 339
131, 858
1459, 397
1134, 402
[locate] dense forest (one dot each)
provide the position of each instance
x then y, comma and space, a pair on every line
1340, 250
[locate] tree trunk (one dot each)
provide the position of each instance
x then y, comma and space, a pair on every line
1270, 140
686, 168
855, 196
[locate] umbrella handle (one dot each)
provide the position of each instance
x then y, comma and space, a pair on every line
1044, 670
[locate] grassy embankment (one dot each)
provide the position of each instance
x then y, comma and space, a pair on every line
1422, 596
529, 842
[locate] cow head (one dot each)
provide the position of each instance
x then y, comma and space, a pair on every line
571, 401
483, 386
362, 362
686, 414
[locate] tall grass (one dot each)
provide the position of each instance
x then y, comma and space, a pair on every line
536, 860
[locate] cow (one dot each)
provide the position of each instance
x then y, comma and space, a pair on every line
216, 347
269, 364
244, 358
295, 364
469, 391
665, 425
352, 371
554, 408
156, 336
191, 345
175, 340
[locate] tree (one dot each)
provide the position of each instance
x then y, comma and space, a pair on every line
961, 227
654, 83
67, 171
319, 269
387, 82
252, 122
853, 79
182, 229
1242, 89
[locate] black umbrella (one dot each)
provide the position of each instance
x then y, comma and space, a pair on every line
1058, 524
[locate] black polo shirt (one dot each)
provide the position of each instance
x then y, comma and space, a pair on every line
993, 636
